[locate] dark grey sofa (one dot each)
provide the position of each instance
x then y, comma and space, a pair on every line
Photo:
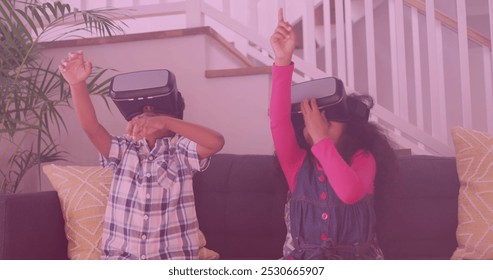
240, 203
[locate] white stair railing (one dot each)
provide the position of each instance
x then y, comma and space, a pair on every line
427, 71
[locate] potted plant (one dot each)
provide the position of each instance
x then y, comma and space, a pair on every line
33, 91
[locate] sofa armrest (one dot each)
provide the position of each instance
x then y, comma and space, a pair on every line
32, 227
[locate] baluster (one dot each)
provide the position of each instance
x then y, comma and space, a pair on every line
418, 70
327, 27
464, 64
438, 120
442, 101
488, 90
349, 44
309, 47
227, 7
398, 59
488, 74
194, 13
341, 42
253, 15
418, 85
370, 50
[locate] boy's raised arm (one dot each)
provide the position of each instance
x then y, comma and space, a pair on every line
76, 71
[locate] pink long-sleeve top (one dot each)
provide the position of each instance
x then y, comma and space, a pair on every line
350, 182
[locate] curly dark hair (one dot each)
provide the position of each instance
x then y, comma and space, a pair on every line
360, 134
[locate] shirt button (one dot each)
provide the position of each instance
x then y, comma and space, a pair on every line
323, 237
321, 178
151, 158
323, 195
144, 237
325, 216
148, 195
146, 217
143, 257
148, 175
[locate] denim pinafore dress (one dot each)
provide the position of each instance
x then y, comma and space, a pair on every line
323, 227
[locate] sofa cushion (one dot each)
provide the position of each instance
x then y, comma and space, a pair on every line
474, 151
83, 193
240, 206
31, 227
417, 218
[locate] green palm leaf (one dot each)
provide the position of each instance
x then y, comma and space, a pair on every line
33, 91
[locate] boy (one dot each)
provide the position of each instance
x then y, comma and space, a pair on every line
150, 212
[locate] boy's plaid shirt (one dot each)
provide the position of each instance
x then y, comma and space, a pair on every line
151, 207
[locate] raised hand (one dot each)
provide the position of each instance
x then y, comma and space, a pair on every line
315, 122
74, 69
283, 41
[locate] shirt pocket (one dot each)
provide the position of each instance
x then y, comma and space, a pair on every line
167, 174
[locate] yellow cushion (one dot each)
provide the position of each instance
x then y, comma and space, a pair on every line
83, 193
474, 155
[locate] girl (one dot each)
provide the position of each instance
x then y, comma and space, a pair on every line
331, 172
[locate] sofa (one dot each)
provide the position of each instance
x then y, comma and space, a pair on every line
240, 203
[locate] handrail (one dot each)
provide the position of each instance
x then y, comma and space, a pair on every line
451, 23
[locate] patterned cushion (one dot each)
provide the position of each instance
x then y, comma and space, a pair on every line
83, 193
474, 154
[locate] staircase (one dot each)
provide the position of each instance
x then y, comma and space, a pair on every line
428, 64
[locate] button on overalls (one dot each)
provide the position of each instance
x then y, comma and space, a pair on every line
324, 227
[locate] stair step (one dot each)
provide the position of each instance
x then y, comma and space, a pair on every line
203, 30
403, 152
244, 71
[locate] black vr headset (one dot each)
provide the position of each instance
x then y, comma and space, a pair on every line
131, 92
332, 101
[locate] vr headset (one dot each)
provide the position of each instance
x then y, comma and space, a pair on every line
332, 101
132, 91
330, 96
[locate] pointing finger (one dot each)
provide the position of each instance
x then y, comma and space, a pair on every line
280, 15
